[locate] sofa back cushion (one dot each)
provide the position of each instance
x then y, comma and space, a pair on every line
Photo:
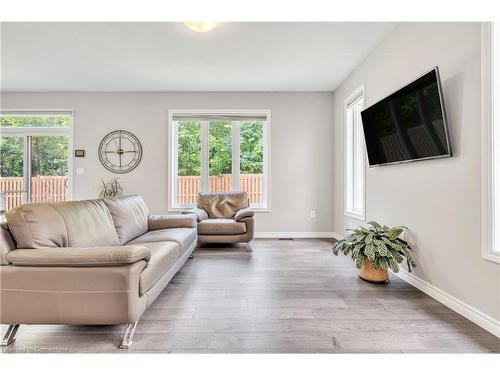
130, 216
62, 224
222, 204
7, 243
37, 225
88, 223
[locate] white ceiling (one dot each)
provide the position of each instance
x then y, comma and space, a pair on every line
169, 57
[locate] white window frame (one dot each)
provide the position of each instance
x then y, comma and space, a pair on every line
173, 154
354, 157
41, 131
490, 53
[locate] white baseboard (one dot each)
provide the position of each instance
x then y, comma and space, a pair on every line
294, 235
474, 315
337, 236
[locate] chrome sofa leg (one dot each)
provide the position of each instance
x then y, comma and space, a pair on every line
10, 335
191, 256
128, 339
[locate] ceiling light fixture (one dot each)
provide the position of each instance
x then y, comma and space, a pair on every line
201, 26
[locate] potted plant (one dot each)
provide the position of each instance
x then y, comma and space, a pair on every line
375, 250
111, 188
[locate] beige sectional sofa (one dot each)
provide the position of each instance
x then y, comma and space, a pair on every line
224, 217
96, 262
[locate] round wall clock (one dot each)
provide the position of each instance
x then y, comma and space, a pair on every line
120, 151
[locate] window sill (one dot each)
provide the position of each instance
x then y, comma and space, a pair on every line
355, 215
492, 257
181, 209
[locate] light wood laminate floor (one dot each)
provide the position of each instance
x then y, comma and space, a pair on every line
272, 296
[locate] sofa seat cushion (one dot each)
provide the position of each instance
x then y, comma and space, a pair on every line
221, 226
130, 216
184, 237
163, 257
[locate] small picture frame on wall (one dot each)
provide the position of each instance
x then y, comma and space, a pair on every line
79, 153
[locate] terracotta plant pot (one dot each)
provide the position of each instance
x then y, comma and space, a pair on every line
367, 273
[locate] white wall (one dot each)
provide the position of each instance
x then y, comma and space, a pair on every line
301, 152
439, 200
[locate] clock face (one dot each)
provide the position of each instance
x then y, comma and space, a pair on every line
120, 151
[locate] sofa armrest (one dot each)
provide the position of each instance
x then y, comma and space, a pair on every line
79, 256
200, 213
156, 222
244, 212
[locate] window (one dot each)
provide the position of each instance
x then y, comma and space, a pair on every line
35, 163
219, 151
354, 156
491, 141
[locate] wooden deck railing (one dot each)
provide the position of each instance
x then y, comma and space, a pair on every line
53, 188
189, 186
43, 189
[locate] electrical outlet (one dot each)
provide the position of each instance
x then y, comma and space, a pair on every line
313, 214
79, 171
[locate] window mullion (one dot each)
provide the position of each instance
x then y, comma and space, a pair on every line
266, 164
27, 170
175, 157
235, 132
204, 156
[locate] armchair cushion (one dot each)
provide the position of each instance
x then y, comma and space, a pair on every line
200, 213
223, 205
221, 226
156, 222
79, 256
244, 212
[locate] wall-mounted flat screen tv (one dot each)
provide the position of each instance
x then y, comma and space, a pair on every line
408, 125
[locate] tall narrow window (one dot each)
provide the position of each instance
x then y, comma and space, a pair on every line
491, 141
252, 160
220, 155
219, 151
188, 161
354, 156
35, 157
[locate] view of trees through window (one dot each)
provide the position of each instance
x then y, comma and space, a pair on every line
49, 159
220, 158
189, 155
11, 156
50, 156
50, 153
220, 155
35, 121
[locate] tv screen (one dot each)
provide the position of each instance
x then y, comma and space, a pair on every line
409, 124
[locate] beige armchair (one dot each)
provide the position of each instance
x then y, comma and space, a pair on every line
224, 217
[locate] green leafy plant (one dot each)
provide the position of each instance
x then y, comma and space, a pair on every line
378, 244
111, 188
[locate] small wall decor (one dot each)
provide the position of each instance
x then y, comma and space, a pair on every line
79, 153
120, 151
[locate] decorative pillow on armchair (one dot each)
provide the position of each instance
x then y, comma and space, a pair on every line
222, 204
